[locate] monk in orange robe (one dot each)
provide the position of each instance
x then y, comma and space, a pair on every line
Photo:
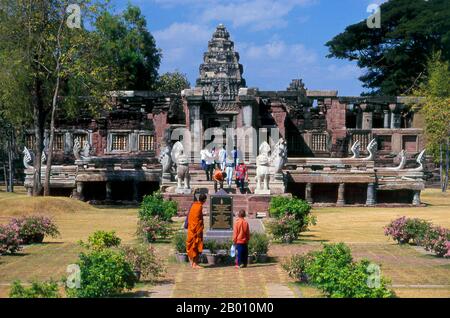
194, 242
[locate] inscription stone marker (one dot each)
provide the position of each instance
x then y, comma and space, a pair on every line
220, 217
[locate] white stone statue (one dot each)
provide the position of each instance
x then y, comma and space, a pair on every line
371, 148
356, 149
263, 169
420, 160
279, 156
182, 162
165, 159
81, 153
27, 158
402, 163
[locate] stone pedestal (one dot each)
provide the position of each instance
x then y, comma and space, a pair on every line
416, 198
371, 194
308, 193
183, 191
341, 196
262, 191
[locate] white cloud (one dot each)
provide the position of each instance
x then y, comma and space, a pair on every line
180, 40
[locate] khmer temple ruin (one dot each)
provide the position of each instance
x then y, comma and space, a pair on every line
317, 145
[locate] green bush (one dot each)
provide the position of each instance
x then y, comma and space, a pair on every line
179, 241
103, 273
259, 244
333, 271
36, 290
154, 205
101, 239
282, 205
143, 259
292, 216
211, 245
417, 229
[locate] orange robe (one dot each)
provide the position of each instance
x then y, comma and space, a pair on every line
194, 242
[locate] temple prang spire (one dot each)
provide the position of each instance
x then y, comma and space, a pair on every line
221, 74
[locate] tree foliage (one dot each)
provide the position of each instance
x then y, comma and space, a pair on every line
396, 54
436, 106
172, 82
129, 49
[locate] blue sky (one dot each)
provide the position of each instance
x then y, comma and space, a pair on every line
278, 40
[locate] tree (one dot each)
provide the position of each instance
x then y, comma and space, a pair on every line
51, 59
172, 82
129, 49
396, 54
436, 110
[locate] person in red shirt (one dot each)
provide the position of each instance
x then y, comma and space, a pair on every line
241, 237
241, 176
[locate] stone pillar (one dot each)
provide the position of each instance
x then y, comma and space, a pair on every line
371, 194
341, 195
108, 191
79, 190
416, 198
247, 115
367, 120
395, 120
135, 191
359, 119
308, 193
386, 118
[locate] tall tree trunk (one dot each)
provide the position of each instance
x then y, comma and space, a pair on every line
39, 130
447, 164
5, 175
48, 170
441, 168
11, 162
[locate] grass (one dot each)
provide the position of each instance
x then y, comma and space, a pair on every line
413, 273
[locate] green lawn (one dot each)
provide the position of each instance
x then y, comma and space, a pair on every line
413, 272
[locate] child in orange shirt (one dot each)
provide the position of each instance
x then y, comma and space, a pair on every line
241, 237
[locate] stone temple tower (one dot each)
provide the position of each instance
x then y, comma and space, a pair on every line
221, 73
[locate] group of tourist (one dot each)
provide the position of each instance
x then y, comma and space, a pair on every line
195, 227
221, 166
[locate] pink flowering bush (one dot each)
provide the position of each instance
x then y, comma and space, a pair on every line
154, 228
421, 232
397, 229
9, 239
437, 240
33, 229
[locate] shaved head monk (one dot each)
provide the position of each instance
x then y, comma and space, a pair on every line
194, 242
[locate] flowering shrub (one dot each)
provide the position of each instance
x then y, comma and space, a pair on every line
33, 229
179, 241
437, 240
143, 259
433, 238
292, 216
287, 229
259, 244
154, 228
296, 266
9, 239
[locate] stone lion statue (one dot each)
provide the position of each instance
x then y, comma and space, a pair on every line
182, 162
279, 156
165, 159
263, 167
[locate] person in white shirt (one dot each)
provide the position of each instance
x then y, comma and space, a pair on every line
222, 158
209, 164
229, 164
